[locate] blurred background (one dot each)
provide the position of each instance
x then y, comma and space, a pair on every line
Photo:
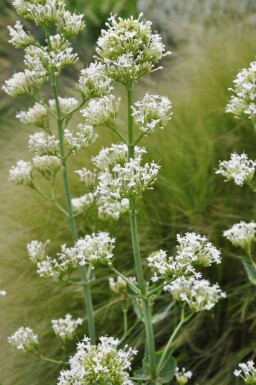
211, 41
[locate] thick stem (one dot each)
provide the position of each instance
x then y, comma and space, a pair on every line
72, 222
150, 341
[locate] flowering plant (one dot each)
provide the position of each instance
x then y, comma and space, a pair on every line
241, 169
127, 50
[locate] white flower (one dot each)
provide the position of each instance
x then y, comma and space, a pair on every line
37, 250
70, 24
151, 113
20, 6
50, 268
116, 154
67, 105
239, 167
119, 286
43, 144
3, 292
94, 82
91, 249
45, 14
36, 115
182, 377
65, 327
83, 202
24, 83
24, 339
60, 55
129, 49
241, 234
87, 177
243, 104
130, 178
99, 364
81, 139
19, 38
196, 249
247, 371
48, 165
110, 208
197, 294
21, 173
102, 111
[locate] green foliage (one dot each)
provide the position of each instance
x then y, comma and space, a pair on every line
251, 272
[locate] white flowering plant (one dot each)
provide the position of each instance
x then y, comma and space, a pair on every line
126, 51
240, 168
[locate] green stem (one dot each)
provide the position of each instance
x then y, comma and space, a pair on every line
150, 341
170, 341
124, 308
52, 360
72, 222
126, 280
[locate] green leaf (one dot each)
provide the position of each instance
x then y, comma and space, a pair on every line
168, 367
160, 316
251, 271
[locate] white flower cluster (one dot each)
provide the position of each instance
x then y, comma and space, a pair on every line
37, 250
117, 178
21, 174
243, 103
192, 250
24, 339
70, 24
94, 82
67, 105
19, 38
87, 177
43, 144
130, 178
247, 371
42, 61
41, 12
65, 327
47, 165
83, 202
3, 292
239, 167
24, 83
116, 154
36, 115
110, 208
51, 12
99, 364
90, 249
198, 294
101, 111
241, 234
129, 49
151, 113
77, 141
60, 54
119, 286
182, 377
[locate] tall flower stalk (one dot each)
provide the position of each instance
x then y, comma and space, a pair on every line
150, 340
84, 271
